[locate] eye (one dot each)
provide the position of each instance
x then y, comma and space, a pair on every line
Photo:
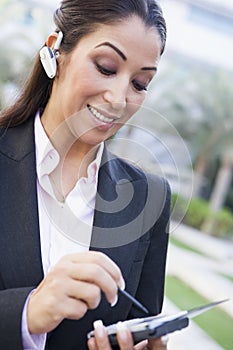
138, 86
105, 71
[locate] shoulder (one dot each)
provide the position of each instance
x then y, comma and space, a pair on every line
135, 173
157, 200
156, 188
18, 141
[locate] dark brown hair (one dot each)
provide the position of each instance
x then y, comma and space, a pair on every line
77, 18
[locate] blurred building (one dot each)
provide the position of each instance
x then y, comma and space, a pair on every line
200, 30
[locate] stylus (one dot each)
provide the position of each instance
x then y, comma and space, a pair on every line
134, 301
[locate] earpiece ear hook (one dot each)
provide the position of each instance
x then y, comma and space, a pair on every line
48, 57
58, 41
57, 44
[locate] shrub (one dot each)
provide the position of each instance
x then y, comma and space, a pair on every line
223, 223
197, 214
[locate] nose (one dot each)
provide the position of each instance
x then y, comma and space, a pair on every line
116, 95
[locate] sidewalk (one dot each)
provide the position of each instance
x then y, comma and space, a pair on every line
217, 248
203, 273
190, 338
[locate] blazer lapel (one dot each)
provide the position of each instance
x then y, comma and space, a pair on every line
118, 218
20, 263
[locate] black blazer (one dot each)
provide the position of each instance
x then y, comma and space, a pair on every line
132, 232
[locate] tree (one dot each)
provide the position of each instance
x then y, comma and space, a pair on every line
201, 108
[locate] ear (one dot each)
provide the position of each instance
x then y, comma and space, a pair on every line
52, 38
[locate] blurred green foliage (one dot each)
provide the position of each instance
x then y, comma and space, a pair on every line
197, 213
215, 322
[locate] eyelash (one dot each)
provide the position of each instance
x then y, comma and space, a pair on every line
108, 72
104, 71
138, 86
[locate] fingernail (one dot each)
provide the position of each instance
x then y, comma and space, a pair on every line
122, 284
99, 328
164, 339
122, 331
115, 301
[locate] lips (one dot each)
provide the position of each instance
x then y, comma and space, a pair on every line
99, 115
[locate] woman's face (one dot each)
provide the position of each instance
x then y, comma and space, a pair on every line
103, 82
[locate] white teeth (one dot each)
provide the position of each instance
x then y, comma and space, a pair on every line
100, 116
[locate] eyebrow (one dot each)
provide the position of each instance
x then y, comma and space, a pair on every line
122, 55
150, 68
119, 52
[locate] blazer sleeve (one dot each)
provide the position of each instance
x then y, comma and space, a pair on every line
11, 308
150, 289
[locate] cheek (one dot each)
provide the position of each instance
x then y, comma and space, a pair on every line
82, 82
134, 104
132, 108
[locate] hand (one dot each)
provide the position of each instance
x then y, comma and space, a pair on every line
72, 287
125, 340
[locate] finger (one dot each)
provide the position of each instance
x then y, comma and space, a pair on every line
158, 344
73, 309
164, 340
124, 337
101, 337
102, 260
95, 275
91, 344
142, 345
86, 292
62, 277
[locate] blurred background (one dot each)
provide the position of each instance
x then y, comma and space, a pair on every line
184, 132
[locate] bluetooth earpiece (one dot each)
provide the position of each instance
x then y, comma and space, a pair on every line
48, 57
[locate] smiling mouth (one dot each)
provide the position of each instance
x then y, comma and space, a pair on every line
99, 116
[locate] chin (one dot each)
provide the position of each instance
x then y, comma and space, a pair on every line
90, 139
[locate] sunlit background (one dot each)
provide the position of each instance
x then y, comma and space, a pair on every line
184, 131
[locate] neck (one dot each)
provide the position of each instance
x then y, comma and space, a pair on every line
69, 170
64, 141
75, 155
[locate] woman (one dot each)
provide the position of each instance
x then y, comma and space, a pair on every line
77, 222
